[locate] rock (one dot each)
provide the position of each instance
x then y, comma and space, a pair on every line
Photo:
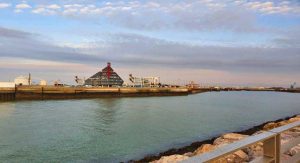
258, 132
171, 159
270, 126
295, 119
228, 138
295, 150
204, 148
254, 151
189, 154
244, 155
285, 137
296, 129
282, 123
220, 141
241, 155
285, 157
234, 136
237, 157
291, 133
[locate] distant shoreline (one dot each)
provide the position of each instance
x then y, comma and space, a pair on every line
62, 92
195, 145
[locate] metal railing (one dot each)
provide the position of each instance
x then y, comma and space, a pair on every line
272, 148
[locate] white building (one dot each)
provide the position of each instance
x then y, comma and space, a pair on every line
7, 84
144, 81
43, 82
23, 80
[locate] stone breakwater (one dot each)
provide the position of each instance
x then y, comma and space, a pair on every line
245, 155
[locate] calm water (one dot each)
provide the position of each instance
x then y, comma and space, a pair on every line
119, 129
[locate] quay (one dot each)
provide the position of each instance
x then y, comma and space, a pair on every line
36, 92
62, 92
219, 89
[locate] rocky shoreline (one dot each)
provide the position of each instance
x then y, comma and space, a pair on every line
245, 155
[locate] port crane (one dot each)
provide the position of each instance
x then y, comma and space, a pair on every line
293, 85
79, 81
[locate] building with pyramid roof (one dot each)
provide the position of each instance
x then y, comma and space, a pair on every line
106, 77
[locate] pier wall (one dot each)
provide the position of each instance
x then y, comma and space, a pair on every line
51, 92
7, 94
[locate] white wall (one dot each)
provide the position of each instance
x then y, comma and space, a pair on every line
21, 81
7, 85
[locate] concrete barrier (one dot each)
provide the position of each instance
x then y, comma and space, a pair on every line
52, 92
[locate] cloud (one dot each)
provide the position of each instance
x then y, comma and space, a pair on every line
289, 38
20, 44
131, 49
141, 51
225, 19
38, 10
168, 7
4, 5
269, 7
53, 6
11, 33
45, 11
187, 15
22, 6
201, 15
134, 52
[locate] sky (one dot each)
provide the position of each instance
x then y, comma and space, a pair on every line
210, 42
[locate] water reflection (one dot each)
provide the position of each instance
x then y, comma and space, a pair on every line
105, 114
6, 109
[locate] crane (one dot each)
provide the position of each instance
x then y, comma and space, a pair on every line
79, 81
293, 85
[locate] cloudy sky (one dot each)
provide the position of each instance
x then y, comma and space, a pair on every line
212, 42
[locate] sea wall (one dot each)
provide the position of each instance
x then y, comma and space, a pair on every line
51, 92
7, 94
244, 155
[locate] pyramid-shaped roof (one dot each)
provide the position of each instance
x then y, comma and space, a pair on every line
106, 77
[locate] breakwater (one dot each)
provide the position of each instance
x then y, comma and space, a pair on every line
243, 155
52, 92
62, 92
219, 89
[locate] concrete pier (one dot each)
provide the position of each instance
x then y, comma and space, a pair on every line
7, 94
52, 92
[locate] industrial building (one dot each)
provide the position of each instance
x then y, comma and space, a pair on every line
23, 80
107, 77
145, 81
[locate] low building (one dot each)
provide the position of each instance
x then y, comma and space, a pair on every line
107, 77
58, 83
7, 84
23, 80
145, 81
43, 82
